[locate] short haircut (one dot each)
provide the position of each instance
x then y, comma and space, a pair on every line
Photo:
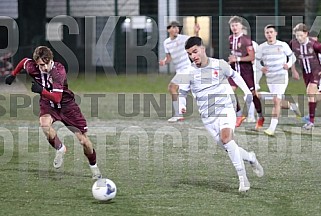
173, 24
235, 19
43, 53
270, 26
300, 27
192, 41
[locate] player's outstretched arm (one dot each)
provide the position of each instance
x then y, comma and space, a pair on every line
11, 77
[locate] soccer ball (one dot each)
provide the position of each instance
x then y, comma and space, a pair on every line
104, 189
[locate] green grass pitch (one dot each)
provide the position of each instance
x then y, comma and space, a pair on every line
159, 168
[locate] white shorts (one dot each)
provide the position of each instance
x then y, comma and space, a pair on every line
181, 76
278, 90
220, 123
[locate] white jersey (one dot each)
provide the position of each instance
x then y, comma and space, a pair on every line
274, 56
210, 88
255, 47
176, 48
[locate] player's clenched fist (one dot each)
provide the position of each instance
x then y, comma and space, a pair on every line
9, 79
36, 88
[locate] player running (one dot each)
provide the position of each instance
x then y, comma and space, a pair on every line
240, 59
175, 51
306, 50
207, 80
57, 103
276, 57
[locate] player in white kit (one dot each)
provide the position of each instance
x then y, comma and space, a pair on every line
257, 77
206, 78
174, 47
274, 58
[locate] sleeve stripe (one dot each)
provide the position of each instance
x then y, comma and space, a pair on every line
24, 64
57, 90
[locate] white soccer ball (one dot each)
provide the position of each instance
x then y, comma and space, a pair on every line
104, 189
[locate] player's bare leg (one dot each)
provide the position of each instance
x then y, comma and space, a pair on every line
90, 153
46, 125
173, 90
291, 106
284, 103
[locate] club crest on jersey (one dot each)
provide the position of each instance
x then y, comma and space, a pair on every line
239, 45
310, 50
215, 73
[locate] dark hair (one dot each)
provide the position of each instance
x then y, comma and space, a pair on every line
192, 41
43, 53
300, 27
269, 26
173, 24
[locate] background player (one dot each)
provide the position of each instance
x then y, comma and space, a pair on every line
241, 57
257, 77
57, 103
207, 79
306, 50
175, 51
313, 35
276, 57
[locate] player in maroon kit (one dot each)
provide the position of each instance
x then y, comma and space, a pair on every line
240, 59
306, 51
57, 103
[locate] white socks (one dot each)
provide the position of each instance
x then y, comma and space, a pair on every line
176, 107
62, 148
245, 155
273, 124
236, 158
251, 113
93, 166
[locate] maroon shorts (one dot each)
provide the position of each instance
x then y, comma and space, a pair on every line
69, 114
311, 78
248, 78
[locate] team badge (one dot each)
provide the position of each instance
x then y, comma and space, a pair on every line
239, 45
215, 73
310, 50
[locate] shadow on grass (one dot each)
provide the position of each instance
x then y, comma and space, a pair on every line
109, 202
217, 185
211, 184
53, 174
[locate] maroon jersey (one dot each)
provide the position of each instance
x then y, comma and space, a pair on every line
307, 55
67, 111
53, 81
239, 47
